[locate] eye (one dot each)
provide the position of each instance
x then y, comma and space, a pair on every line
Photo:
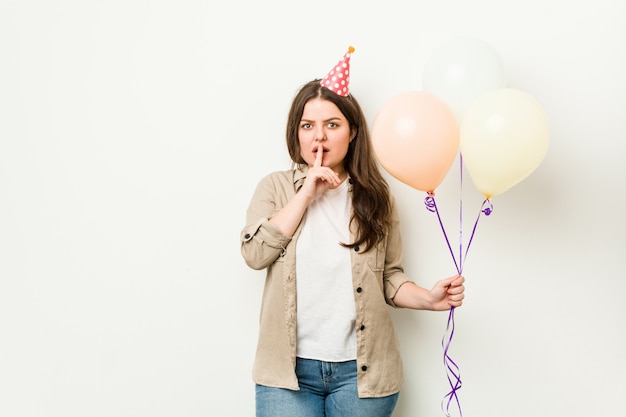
332, 125
305, 126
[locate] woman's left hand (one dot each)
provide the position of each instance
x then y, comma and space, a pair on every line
448, 293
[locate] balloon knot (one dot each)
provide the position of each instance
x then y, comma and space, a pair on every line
487, 210
429, 202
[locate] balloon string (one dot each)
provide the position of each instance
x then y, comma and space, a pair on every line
460, 269
431, 205
452, 369
484, 210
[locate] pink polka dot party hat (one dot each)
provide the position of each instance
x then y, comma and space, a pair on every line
338, 77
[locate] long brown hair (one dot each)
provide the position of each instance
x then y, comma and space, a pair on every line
371, 208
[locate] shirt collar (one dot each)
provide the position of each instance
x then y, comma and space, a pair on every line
299, 175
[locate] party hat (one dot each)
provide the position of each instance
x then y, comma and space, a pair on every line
338, 78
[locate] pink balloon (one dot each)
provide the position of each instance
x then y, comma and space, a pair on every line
416, 139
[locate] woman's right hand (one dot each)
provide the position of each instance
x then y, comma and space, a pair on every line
319, 178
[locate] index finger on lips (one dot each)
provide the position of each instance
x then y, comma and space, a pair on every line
318, 156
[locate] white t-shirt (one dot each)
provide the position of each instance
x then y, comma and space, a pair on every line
326, 312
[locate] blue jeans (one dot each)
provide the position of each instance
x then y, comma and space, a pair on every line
327, 389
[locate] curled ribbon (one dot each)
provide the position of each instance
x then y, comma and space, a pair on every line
452, 369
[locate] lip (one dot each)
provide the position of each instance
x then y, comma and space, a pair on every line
324, 149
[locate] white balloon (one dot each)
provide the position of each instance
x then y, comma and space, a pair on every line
460, 71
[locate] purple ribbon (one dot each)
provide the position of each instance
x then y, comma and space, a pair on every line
452, 369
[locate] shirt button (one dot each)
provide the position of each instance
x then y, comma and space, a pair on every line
359, 289
356, 248
364, 368
247, 235
362, 327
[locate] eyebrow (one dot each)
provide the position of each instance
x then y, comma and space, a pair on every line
325, 121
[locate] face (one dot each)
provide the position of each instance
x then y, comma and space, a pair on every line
324, 125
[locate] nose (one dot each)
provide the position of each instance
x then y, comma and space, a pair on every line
320, 133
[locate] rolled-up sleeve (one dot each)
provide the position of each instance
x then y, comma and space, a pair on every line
262, 242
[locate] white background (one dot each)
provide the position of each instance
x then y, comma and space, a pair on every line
132, 134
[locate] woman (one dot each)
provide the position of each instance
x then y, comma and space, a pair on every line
328, 234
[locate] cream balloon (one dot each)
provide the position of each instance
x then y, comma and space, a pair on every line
460, 70
504, 137
416, 139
